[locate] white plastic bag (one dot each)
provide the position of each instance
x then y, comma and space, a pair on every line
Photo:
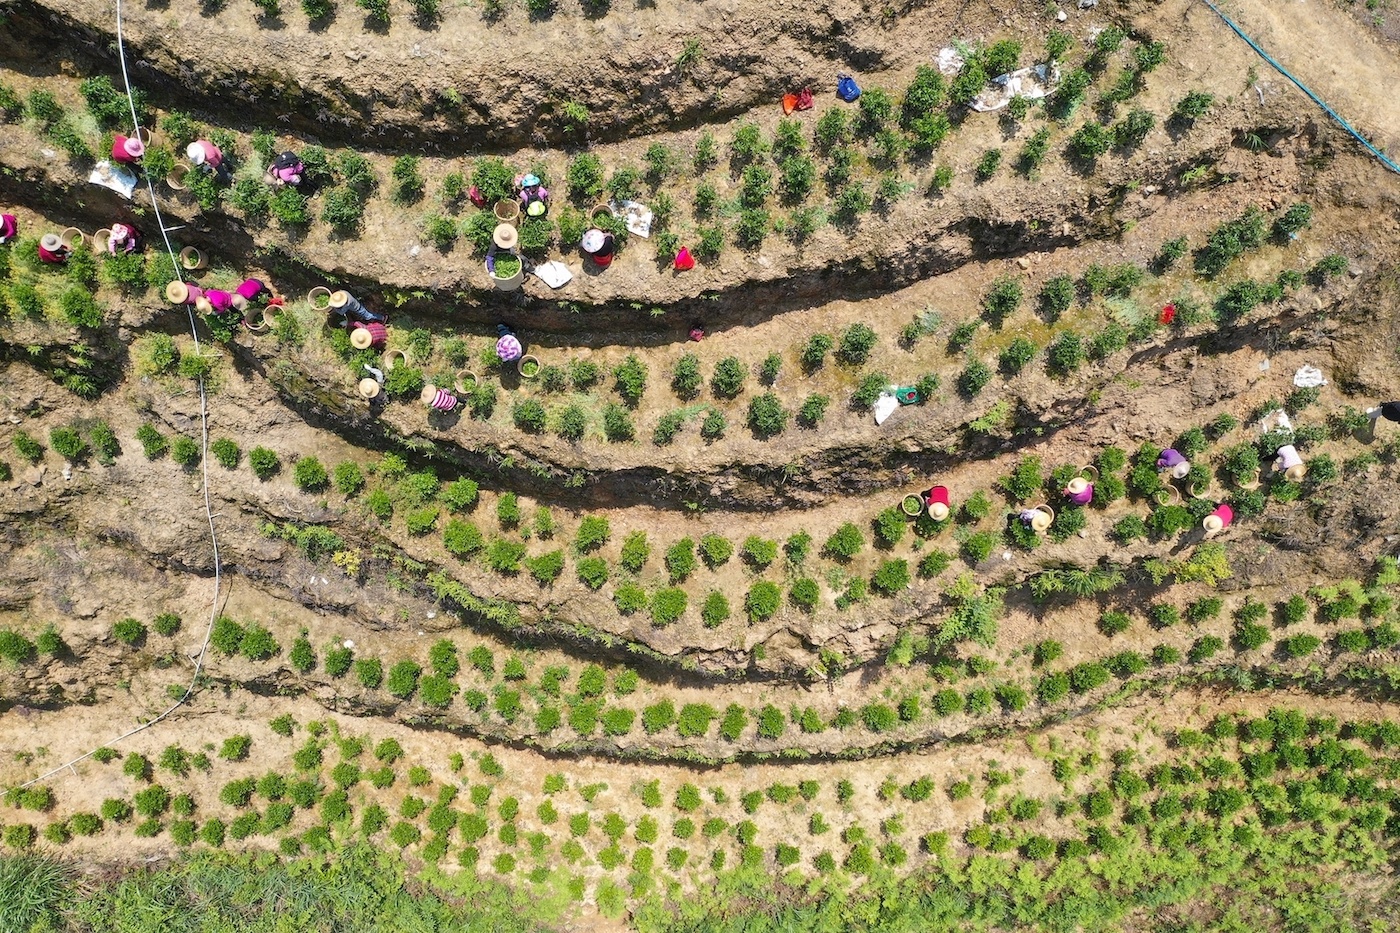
1308, 377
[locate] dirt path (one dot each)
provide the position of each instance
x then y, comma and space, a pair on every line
1321, 44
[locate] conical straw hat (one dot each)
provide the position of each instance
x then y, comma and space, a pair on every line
505, 236
177, 293
1041, 520
428, 394
1077, 485
340, 298
361, 338
938, 511
368, 387
1213, 524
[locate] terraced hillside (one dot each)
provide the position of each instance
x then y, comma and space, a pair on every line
645, 639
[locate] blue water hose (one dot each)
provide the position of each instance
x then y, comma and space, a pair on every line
1304, 88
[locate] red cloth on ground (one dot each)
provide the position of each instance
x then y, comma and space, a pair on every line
684, 261
804, 99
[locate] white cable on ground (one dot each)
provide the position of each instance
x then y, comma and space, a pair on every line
204, 460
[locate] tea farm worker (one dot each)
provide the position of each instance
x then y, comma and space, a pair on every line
1390, 411
9, 226
1079, 491
508, 347
214, 301
1218, 520
599, 246
250, 290
936, 500
534, 197
52, 249
127, 239
204, 154
127, 150
1173, 460
286, 169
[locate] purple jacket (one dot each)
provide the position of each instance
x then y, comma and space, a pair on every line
1169, 458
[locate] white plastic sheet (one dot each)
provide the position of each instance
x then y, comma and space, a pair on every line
114, 177
885, 406
1032, 83
638, 218
1308, 377
553, 273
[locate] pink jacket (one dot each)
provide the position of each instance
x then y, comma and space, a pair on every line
127, 241
127, 151
222, 301
9, 226
212, 156
1083, 497
250, 289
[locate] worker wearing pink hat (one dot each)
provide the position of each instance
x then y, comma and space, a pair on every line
127, 239
127, 150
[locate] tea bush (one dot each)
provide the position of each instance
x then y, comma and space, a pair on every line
762, 600
715, 610
845, 543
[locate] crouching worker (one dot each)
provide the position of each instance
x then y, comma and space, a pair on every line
508, 347
214, 301
53, 250
286, 169
1174, 462
124, 239
534, 197
128, 150
1079, 491
251, 292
